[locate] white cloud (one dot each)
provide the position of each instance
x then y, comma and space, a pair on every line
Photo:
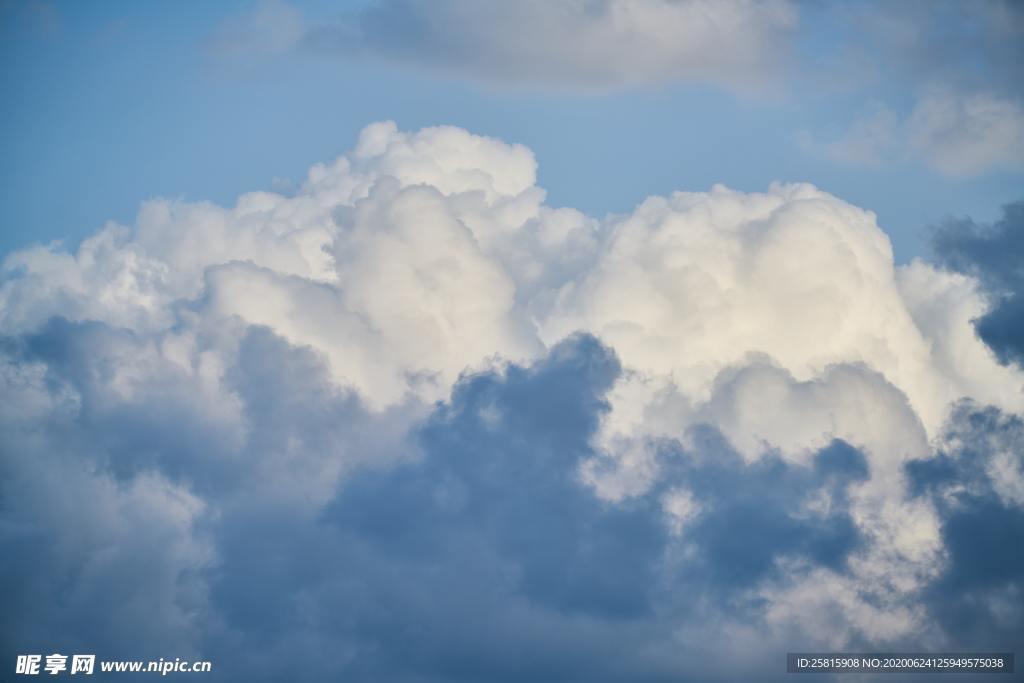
779, 318
419, 254
692, 285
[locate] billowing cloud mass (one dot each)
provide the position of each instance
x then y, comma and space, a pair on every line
943, 78
411, 423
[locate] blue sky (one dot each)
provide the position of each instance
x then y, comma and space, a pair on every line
551, 340
109, 105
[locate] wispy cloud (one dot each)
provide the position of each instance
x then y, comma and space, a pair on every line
581, 45
944, 77
956, 134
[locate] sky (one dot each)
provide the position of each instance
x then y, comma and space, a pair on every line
561, 340
126, 101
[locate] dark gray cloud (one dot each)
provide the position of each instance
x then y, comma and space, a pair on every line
975, 484
995, 255
754, 514
488, 559
473, 552
119, 472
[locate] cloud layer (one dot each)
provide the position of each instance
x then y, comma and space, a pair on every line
993, 254
411, 423
579, 44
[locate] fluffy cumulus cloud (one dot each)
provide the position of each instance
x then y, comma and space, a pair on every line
412, 423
